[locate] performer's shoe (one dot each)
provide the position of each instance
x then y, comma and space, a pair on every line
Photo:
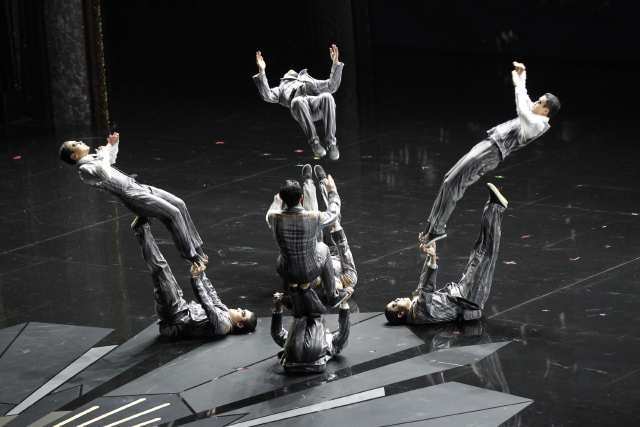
138, 222
318, 150
319, 172
334, 153
496, 197
307, 171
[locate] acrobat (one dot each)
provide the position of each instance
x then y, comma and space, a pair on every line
531, 123
144, 200
308, 99
207, 317
462, 300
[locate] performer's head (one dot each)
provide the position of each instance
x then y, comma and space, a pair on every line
242, 321
397, 311
72, 151
291, 193
547, 105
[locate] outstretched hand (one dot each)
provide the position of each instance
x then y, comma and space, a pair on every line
260, 62
428, 249
334, 53
277, 300
113, 138
519, 67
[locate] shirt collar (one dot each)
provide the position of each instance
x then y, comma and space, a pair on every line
86, 159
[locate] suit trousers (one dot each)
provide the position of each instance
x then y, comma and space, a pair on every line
308, 109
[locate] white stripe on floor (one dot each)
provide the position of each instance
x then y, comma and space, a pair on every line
139, 414
335, 403
115, 411
75, 417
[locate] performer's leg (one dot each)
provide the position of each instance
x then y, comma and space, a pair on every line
153, 206
478, 276
182, 207
323, 108
327, 275
482, 158
310, 200
349, 276
167, 292
341, 336
301, 112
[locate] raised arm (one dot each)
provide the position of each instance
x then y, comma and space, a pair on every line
532, 124
332, 200
331, 84
207, 297
268, 94
276, 207
278, 333
428, 275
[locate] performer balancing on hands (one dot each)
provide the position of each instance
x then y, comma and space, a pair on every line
530, 124
207, 317
466, 298
145, 201
308, 99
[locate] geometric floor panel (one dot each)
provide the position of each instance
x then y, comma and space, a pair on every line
385, 375
435, 402
38, 353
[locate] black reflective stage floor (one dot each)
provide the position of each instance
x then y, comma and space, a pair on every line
558, 346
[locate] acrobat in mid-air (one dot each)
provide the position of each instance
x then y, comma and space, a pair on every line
144, 200
309, 100
207, 317
308, 345
464, 299
530, 124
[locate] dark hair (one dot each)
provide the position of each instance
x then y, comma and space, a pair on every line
248, 325
65, 154
393, 318
290, 192
553, 104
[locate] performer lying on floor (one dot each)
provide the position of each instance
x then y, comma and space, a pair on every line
532, 122
308, 99
143, 200
206, 318
296, 230
466, 298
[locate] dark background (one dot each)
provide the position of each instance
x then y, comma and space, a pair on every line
421, 84
451, 53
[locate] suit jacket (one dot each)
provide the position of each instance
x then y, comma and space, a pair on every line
297, 83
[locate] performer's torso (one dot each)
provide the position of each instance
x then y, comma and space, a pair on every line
295, 235
508, 136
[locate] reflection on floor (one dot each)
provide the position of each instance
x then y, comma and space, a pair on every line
566, 286
386, 375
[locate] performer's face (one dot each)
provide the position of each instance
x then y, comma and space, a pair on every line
540, 106
239, 315
400, 305
78, 149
